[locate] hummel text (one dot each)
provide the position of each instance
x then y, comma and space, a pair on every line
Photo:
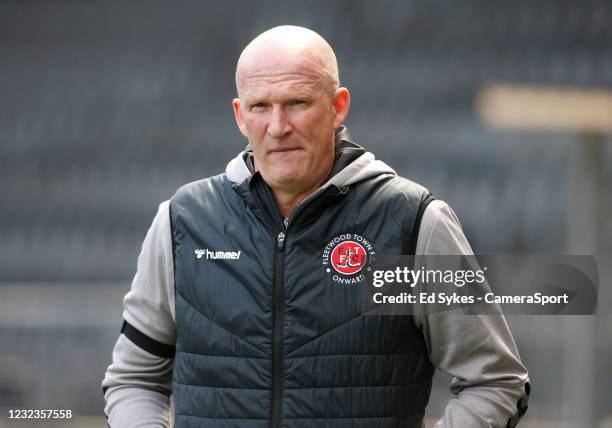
217, 255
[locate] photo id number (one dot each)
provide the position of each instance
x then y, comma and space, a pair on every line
39, 414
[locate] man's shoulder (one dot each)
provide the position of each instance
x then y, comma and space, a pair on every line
201, 187
406, 185
396, 188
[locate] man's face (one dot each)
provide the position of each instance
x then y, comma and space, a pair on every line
289, 114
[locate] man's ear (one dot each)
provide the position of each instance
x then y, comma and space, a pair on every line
238, 116
342, 104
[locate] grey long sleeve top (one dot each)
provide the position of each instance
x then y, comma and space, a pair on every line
477, 350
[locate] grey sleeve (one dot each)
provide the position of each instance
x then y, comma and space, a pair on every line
137, 385
489, 381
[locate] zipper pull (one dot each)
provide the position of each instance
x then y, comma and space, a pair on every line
281, 241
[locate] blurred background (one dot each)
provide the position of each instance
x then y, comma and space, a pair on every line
106, 107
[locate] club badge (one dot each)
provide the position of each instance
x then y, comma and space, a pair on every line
347, 258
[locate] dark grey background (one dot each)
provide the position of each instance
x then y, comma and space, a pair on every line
106, 107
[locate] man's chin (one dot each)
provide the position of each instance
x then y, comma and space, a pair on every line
288, 172
287, 180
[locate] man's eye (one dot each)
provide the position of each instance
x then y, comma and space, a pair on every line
296, 102
258, 105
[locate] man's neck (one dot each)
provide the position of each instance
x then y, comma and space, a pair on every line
287, 201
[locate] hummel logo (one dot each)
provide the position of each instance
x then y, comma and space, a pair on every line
217, 255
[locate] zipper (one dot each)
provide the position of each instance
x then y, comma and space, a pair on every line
278, 303
271, 218
277, 347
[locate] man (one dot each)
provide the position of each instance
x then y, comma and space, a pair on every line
235, 309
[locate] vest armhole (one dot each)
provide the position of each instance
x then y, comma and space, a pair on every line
417, 223
173, 245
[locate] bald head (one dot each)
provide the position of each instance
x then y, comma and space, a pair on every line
289, 44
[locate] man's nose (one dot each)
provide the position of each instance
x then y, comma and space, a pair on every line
278, 125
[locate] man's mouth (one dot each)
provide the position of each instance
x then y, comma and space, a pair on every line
284, 149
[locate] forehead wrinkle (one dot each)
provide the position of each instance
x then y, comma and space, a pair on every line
301, 70
267, 82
